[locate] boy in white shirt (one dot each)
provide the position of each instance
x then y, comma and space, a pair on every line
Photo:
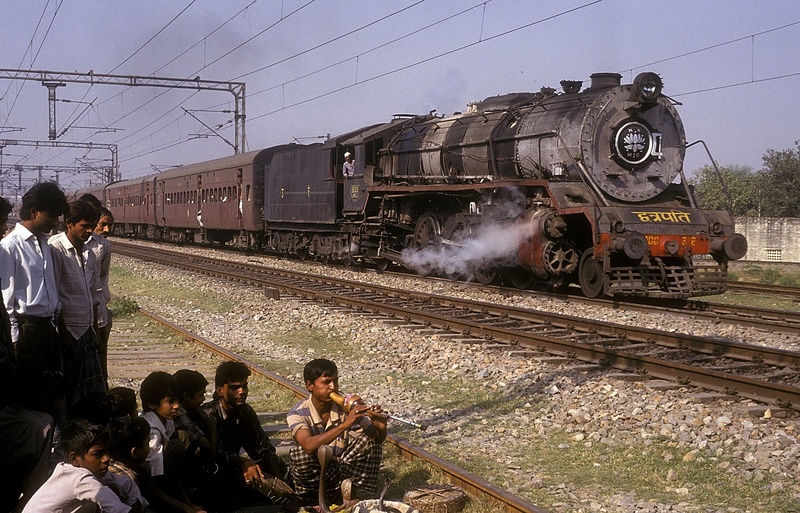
75, 483
164, 489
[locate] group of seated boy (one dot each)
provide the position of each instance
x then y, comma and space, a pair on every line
183, 454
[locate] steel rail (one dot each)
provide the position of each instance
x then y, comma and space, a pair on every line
764, 288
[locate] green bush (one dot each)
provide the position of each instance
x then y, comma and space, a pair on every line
789, 280
123, 306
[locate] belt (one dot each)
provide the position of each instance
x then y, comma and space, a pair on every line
32, 319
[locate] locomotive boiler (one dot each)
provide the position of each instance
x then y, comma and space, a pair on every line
544, 189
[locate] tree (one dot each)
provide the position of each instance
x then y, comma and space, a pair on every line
739, 194
781, 182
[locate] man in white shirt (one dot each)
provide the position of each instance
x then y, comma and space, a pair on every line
78, 280
30, 293
348, 168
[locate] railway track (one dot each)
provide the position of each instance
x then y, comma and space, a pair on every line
132, 356
764, 374
784, 321
740, 315
764, 288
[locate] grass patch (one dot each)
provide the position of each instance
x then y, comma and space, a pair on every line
655, 473
318, 341
123, 306
766, 274
264, 395
754, 300
124, 282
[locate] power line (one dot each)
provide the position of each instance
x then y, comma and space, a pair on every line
187, 50
206, 36
738, 84
257, 35
160, 68
153, 37
68, 123
718, 45
202, 68
373, 49
479, 41
429, 59
342, 36
33, 59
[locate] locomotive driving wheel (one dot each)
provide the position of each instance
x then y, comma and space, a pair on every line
427, 234
590, 275
486, 276
519, 278
383, 264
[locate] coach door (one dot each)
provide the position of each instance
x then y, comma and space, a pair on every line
237, 197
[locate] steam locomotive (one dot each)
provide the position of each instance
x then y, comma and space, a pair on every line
533, 189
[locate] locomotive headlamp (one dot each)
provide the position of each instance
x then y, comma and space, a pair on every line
716, 228
647, 87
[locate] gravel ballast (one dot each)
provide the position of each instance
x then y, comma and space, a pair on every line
414, 375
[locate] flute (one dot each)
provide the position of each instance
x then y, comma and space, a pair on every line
348, 401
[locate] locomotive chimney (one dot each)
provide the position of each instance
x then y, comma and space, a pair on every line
604, 80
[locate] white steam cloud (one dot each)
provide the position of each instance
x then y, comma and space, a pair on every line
491, 246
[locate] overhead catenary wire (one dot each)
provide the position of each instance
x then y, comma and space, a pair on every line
251, 117
33, 57
66, 126
480, 40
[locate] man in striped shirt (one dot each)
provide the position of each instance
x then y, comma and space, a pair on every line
77, 279
318, 421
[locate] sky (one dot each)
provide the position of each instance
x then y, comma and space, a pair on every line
318, 67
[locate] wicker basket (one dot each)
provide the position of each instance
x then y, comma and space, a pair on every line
436, 498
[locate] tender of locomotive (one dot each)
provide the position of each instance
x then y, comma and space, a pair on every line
540, 188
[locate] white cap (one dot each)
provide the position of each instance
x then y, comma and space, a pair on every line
347, 154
